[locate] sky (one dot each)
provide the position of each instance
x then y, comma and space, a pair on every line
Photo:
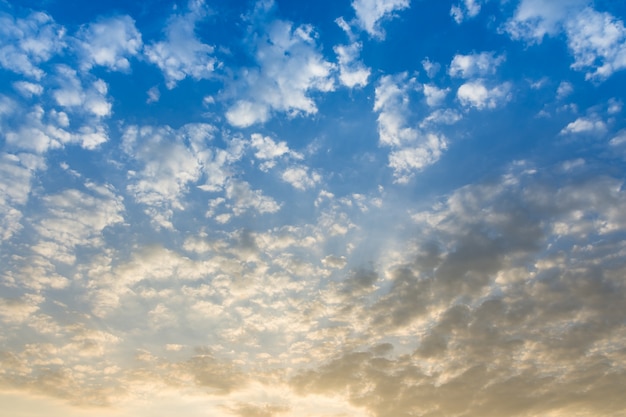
346, 208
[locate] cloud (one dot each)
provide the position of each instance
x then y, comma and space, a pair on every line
290, 68
153, 95
352, 73
244, 199
565, 89
168, 162
35, 134
28, 89
476, 94
595, 39
409, 159
535, 19
269, 151
17, 174
412, 150
431, 68
72, 95
392, 104
597, 42
15, 311
475, 65
584, 125
182, 54
300, 177
441, 116
26, 43
490, 305
435, 95
75, 218
109, 42
466, 10
369, 14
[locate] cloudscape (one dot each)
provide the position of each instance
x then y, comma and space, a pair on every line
280, 208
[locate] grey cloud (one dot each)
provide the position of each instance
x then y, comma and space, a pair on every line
512, 313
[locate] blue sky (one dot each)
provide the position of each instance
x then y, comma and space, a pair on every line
361, 208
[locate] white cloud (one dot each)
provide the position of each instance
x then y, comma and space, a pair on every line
465, 10
565, 89
534, 19
585, 125
267, 148
182, 54
392, 103
301, 177
34, 133
598, 43
441, 116
269, 151
369, 14
352, 72
76, 218
16, 175
245, 198
476, 94
170, 161
412, 150
614, 106
407, 160
596, 39
73, 95
168, 165
28, 89
40, 131
290, 68
431, 68
475, 65
619, 140
109, 42
434, 95
26, 43
153, 95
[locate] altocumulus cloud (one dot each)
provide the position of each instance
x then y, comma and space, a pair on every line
362, 208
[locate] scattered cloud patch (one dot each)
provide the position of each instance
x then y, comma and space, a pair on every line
290, 68
585, 125
595, 39
476, 94
352, 72
475, 65
269, 151
412, 150
370, 13
109, 42
565, 89
597, 42
169, 161
301, 177
28, 89
465, 10
244, 198
182, 54
26, 43
435, 95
